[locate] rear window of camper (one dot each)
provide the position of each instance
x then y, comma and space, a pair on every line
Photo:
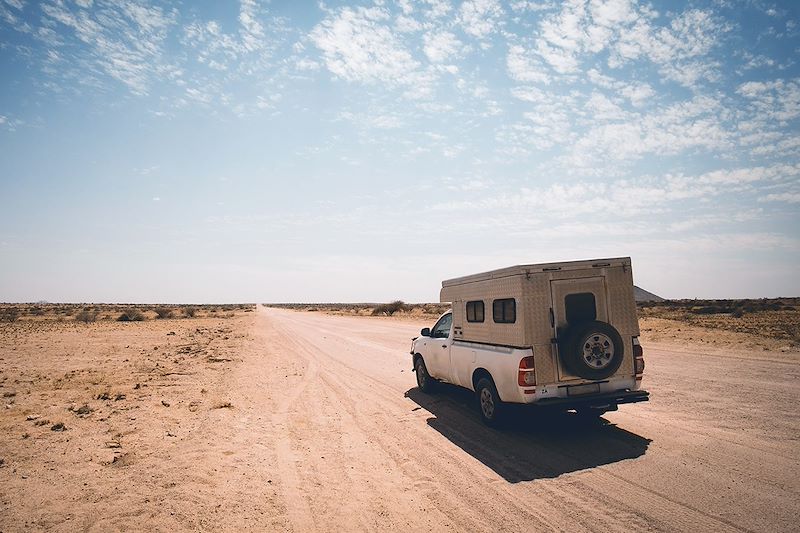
505, 311
475, 311
581, 307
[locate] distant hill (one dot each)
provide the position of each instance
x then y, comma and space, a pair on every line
641, 295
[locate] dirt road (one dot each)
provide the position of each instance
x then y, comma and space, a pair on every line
328, 432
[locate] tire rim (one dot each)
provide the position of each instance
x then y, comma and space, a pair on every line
487, 403
598, 351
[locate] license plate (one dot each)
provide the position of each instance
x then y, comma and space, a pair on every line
580, 390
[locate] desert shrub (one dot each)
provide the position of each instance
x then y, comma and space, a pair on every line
737, 313
390, 308
87, 314
163, 312
435, 309
189, 311
9, 314
131, 315
36, 311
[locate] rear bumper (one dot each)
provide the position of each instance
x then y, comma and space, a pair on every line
606, 401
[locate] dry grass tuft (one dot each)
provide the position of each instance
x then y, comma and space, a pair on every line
87, 314
163, 312
131, 315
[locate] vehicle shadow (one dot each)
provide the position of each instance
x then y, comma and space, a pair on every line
531, 445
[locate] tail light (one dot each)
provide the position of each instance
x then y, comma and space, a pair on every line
638, 358
527, 375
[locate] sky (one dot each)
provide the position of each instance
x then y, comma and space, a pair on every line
296, 151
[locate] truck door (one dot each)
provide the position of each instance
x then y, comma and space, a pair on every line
438, 361
574, 301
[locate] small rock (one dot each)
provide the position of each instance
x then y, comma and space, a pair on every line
170, 333
136, 387
113, 444
31, 417
103, 396
2, 461
9, 394
164, 403
26, 435
42, 422
58, 427
83, 410
119, 397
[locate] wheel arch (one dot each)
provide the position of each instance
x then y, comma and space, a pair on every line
479, 373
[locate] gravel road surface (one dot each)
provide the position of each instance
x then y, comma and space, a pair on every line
357, 446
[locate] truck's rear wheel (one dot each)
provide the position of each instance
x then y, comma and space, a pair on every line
489, 404
424, 380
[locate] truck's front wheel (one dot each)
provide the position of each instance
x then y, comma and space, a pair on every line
424, 380
489, 404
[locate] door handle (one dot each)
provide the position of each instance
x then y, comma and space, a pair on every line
444, 346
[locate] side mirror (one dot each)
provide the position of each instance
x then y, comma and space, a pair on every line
426, 332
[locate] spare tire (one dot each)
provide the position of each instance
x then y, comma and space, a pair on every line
592, 350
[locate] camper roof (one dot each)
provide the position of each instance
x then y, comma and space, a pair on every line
539, 267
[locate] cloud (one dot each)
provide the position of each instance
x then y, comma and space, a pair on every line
373, 119
252, 31
441, 46
357, 45
773, 100
10, 123
480, 18
695, 124
524, 67
627, 32
788, 197
638, 93
123, 39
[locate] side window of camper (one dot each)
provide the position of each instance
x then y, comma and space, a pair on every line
475, 311
505, 311
580, 307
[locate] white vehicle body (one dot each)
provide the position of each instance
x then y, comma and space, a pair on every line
518, 327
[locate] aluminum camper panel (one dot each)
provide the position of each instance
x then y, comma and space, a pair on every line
538, 333
622, 303
564, 266
487, 291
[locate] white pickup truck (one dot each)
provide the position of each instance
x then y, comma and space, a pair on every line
556, 335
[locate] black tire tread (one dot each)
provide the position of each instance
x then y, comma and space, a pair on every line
570, 350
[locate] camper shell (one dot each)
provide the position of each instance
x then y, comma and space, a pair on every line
559, 334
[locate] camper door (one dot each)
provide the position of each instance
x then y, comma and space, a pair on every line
575, 301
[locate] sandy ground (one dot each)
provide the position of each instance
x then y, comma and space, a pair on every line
289, 421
